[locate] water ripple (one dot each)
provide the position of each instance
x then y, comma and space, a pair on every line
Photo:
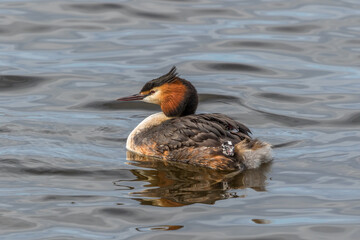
287, 69
13, 82
94, 7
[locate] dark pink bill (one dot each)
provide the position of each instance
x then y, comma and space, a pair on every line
132, 98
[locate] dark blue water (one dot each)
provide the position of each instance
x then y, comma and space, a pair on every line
287, 69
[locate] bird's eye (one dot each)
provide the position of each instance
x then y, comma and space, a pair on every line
152, 92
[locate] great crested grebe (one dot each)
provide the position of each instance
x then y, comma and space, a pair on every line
210, 140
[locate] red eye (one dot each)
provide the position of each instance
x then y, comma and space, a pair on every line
152, 91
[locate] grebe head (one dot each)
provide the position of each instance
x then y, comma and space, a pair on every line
176, 96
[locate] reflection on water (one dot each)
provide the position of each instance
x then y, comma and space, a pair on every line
171, 184
261, 221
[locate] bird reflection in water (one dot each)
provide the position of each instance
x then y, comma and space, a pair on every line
175, 185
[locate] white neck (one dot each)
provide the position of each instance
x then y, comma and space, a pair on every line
150, 121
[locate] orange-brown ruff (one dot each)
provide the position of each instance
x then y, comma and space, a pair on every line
178, 134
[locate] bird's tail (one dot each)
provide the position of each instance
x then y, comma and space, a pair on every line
253, 152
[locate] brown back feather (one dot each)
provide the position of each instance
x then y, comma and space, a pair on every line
202, 130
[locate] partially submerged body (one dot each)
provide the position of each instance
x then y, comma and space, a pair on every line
177, 134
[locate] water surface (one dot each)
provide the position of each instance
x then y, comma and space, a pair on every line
289, 70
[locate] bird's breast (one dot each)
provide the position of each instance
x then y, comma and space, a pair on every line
149, 122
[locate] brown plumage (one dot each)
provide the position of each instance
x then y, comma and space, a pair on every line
178, 134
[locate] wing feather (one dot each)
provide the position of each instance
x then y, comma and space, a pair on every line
201, 130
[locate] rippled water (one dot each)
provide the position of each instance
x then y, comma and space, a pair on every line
287, 69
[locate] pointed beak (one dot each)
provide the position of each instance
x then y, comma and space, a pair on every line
134, 97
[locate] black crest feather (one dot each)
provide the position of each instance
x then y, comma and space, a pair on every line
167, 78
